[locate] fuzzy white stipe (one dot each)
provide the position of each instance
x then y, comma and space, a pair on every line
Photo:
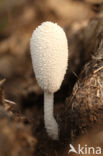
50, 122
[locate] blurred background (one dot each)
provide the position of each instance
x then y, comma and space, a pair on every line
18, 19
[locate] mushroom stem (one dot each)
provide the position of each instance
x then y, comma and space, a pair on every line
50, 122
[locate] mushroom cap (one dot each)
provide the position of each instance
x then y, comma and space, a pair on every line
49, 51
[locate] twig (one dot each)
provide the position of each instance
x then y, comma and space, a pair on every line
98, 70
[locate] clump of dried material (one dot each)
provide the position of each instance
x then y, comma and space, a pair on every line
85, 106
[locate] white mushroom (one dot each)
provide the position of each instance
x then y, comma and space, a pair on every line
49, 52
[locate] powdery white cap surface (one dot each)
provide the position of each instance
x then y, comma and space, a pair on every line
49, 52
